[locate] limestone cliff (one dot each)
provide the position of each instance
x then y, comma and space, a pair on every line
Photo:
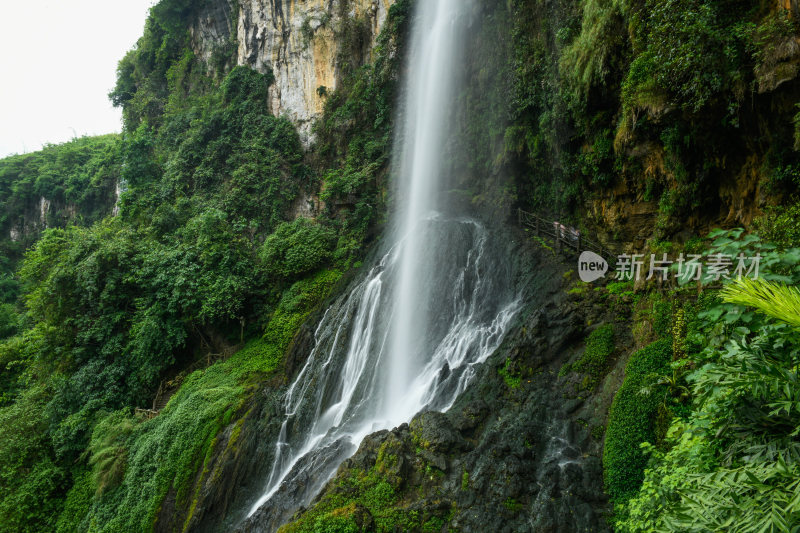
300, 41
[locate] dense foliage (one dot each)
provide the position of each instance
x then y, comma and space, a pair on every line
595, 359
72, 183
76, 178
203, 277
659, 101
631, 421
730, 461
204, 259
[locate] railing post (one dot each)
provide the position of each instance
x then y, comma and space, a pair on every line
158, 394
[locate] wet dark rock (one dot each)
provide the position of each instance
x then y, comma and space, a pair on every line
301, 488
470, 416
502, 458
435, 433
571, 405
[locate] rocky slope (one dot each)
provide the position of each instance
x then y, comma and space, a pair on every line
519, 451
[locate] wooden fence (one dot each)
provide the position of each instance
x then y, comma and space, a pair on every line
565, 240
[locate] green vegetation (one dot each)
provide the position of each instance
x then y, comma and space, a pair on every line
772, 299
728, 460
72, 183
355, 133
652, 97
595, 359
165, 452
77, 178
297, 248
374, 500
780, 225
203, 256
512, 505
512, 377
664, 101
31, 479
631, 421
339, 510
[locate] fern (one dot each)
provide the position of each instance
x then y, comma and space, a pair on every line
773, 299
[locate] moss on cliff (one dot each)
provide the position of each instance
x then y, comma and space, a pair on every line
644, 102
631, 421
171, 452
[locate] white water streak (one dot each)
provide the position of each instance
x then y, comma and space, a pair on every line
407, 337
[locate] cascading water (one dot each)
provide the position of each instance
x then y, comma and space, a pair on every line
407, 337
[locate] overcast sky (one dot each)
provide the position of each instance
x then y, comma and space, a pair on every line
58, 61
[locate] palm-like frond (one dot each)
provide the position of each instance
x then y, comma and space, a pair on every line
773, 299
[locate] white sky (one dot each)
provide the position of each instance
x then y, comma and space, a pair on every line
58, 61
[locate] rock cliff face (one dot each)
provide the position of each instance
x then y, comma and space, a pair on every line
39, 215
300, 41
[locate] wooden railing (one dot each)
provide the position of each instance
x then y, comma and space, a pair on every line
566, 240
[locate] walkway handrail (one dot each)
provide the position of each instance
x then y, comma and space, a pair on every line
565, 239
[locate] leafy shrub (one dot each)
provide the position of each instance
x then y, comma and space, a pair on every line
780, 225
77, 504
595, 358
9, 320
31, 482
297, 248
732, 463
691, 53
244, 84
631, 421
145, 76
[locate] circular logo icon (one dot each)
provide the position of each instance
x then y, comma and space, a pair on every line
591, 267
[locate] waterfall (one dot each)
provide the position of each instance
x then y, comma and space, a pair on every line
408, 336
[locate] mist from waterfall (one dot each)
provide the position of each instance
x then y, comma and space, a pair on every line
408, 335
